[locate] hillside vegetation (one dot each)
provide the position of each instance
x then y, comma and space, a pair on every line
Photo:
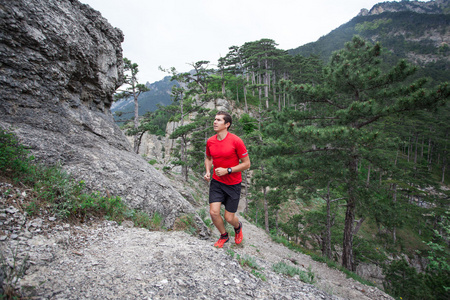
349, 148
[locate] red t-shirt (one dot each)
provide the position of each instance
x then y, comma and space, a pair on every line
226, 154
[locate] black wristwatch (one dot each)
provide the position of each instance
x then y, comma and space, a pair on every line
229, 170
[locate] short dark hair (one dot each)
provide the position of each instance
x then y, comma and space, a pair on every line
226, 117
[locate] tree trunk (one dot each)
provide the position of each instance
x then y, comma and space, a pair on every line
279, 102
444, 160
266, 90
358, 225
136, 111
415, 156
394, 200
274, 88
183, 146
266, 210
423, 144
444, 165
246, 191
394, 234
429, 154
326, 243
245, 98
136, 143
136, 121
276, 221
267, 83
409, 144
347, 251
259, 87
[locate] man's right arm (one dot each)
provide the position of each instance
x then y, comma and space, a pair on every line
208, 166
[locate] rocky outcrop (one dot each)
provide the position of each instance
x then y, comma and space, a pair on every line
60, 63
415, 30
430, 7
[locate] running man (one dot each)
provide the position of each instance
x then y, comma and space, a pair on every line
227, 152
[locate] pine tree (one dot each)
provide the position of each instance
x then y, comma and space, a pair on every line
337, 118
189, 99
133, 89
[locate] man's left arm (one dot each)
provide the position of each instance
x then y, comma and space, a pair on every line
242, 166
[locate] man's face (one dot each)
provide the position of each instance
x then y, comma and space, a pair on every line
219, 123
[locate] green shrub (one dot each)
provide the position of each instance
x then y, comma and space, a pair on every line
205, 217
259, 275
14, 158
157, 220
246, 260
143, 220
12, 272
187, 224
404, 281
56, 189
291, 271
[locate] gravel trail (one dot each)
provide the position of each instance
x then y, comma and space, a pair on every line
106, 261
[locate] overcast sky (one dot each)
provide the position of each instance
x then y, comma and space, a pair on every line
174, 33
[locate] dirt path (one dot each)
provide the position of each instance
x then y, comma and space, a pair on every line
107, 261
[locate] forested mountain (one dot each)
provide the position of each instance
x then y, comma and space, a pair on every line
418, 31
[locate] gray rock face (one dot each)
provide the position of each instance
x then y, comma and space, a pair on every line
60, 63
430, 7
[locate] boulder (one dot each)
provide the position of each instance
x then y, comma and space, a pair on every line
60, 64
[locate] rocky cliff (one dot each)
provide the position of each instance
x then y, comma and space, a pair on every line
421, 7
60, 63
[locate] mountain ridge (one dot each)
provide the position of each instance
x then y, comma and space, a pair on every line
430, 7
390, 23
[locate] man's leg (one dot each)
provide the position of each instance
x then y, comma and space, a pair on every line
231, 219
234, 221
214, 211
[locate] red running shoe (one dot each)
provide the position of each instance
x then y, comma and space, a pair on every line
222, 240
238, 236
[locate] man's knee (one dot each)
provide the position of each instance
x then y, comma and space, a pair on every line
214, 212
229, 217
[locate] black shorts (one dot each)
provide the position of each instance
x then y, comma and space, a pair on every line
229, 195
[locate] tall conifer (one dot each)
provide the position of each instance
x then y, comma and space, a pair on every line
337, 119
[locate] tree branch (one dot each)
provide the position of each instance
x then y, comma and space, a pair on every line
358, 126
